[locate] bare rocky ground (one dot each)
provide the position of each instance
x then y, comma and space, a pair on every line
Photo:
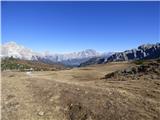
79, 94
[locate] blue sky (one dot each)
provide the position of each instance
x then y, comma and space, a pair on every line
75, 26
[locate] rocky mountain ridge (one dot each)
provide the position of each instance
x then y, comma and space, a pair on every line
145, 51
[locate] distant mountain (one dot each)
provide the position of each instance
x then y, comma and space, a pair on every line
74, 59
17, 51
96, 60
146, 51
71, 59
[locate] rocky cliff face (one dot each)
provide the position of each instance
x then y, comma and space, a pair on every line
147, 51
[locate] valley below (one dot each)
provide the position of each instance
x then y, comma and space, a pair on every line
82, 93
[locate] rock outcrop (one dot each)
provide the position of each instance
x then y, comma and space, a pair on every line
146, 70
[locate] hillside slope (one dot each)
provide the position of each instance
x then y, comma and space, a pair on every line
80, 94
22, 65
144, 69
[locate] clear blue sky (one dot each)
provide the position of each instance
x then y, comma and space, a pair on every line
75, 26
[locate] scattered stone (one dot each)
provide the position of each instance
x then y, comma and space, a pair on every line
41, 113
65, 109
78, 89
51, 100
57, 108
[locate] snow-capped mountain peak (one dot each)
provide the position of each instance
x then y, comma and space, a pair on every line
17, 51
75, 58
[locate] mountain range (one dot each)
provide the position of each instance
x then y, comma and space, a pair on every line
72, 59
145, 51
82, 58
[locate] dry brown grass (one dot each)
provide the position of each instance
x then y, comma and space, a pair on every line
78, 94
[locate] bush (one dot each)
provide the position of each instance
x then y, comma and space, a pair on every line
139, 62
